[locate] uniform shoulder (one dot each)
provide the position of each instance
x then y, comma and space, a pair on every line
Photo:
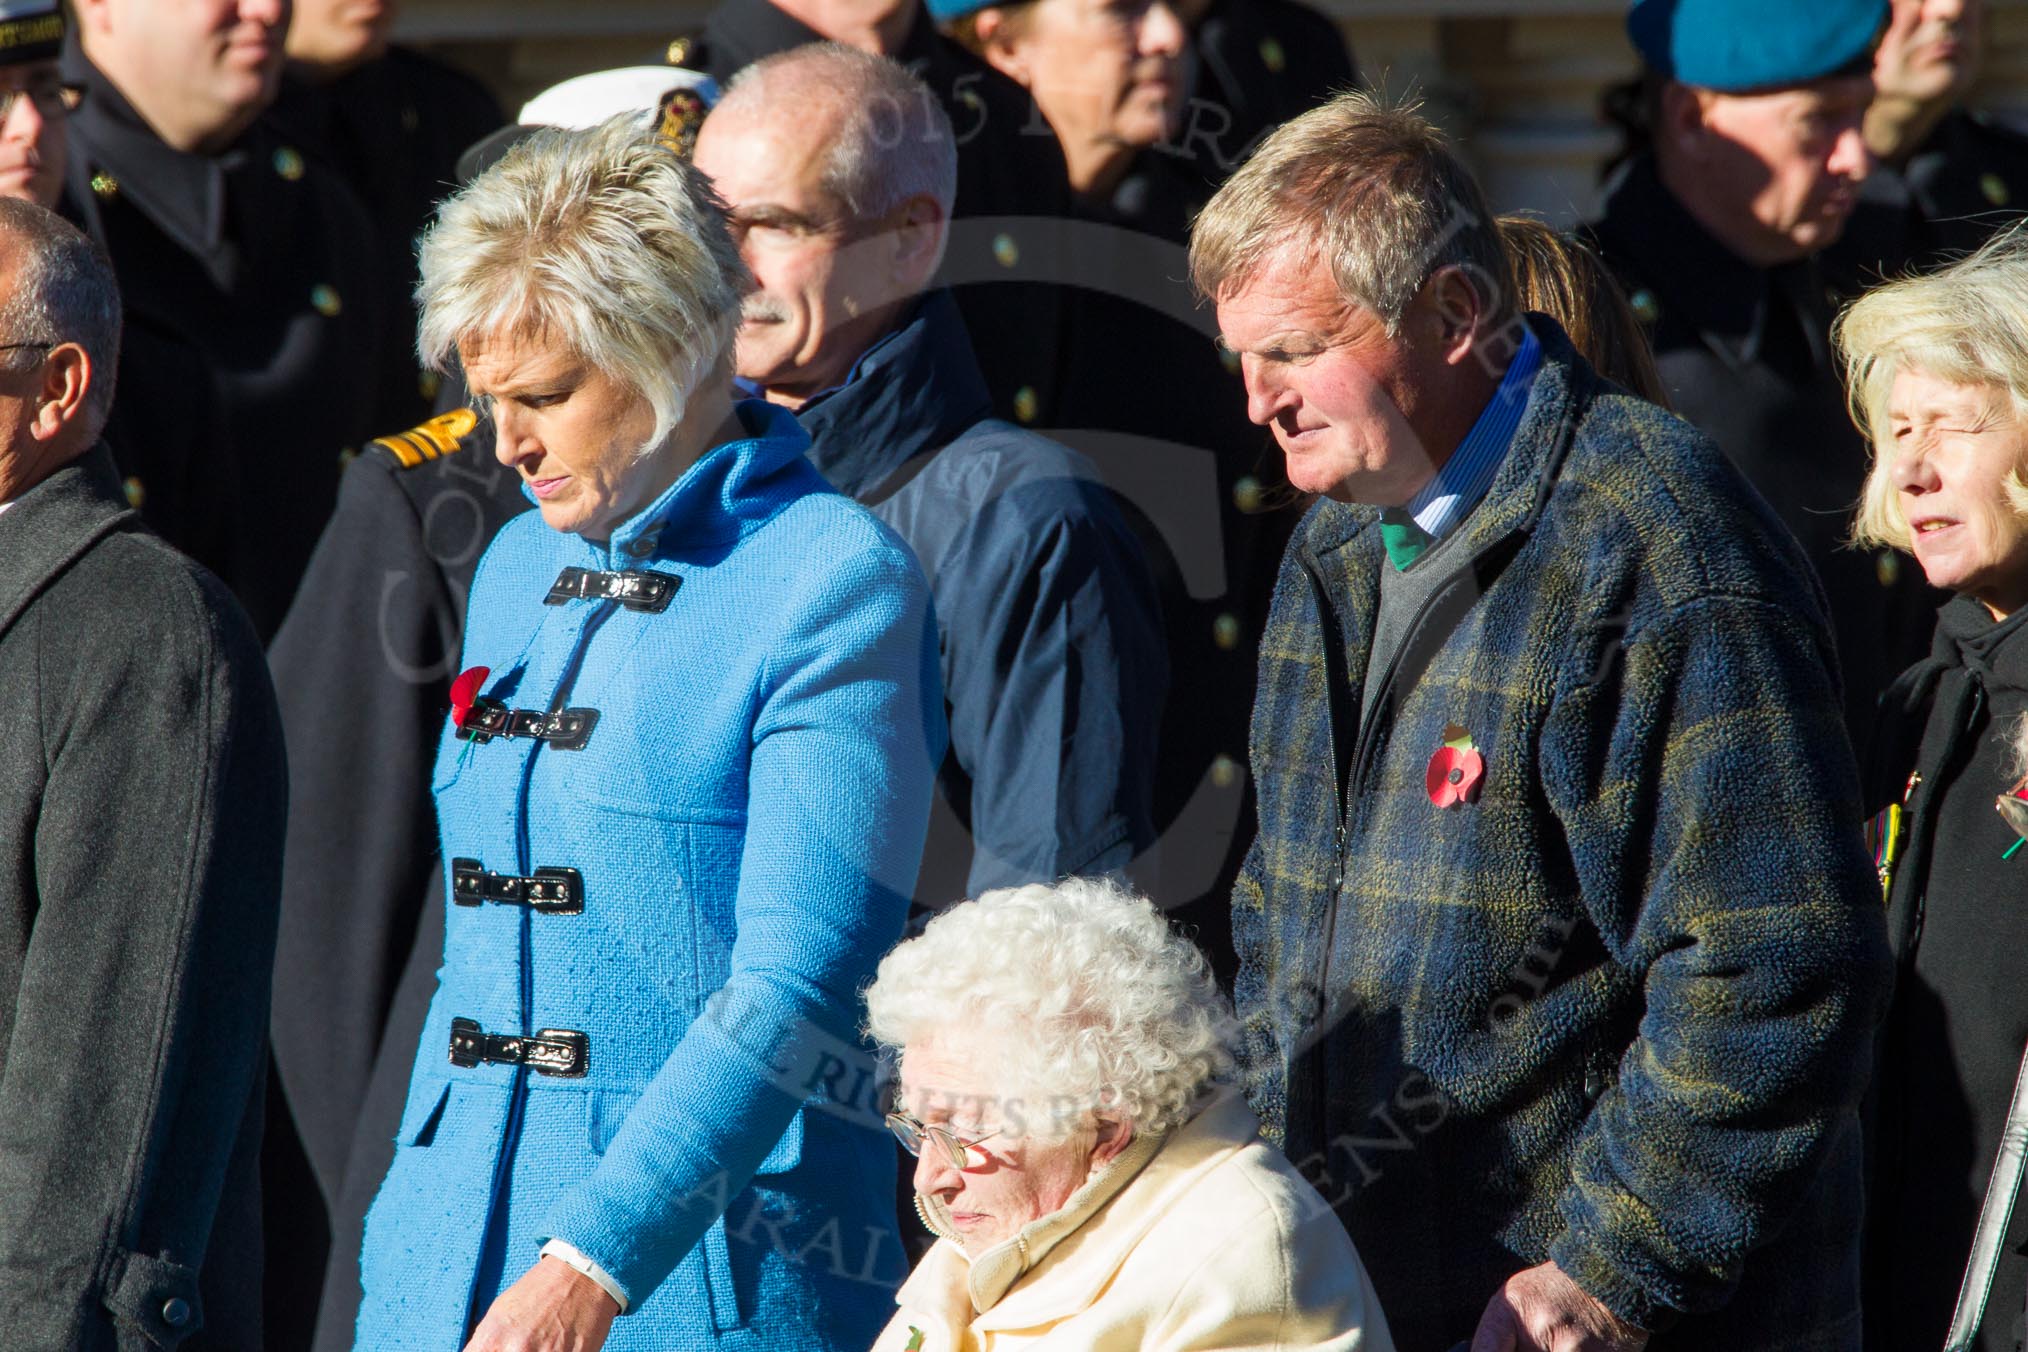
443, 85
441, 436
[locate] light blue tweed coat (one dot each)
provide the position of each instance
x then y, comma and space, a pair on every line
747, 816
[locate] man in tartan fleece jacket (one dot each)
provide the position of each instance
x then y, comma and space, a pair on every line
1560, 954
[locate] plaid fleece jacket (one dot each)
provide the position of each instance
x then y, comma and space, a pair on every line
1616, 1010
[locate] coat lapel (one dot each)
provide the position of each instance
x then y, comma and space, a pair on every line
53, 524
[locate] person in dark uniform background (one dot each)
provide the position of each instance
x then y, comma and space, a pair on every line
1752, 165
1148, 395
1965, 171
251, 290
392, 122
35, 102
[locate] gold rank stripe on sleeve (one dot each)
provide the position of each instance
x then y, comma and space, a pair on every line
438, 437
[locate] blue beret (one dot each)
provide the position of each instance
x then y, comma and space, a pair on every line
943, 11
1737, 45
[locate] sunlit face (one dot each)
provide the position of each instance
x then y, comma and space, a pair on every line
1104, 72
819, 295
1019, 1177
1954, 449
570, 431
32, 141
340, 34
1930, 51
1340, 395
213, 60
1788, 163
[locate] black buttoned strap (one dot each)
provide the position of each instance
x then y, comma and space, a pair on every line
553, 891
563, 729
551, 1051
636, 589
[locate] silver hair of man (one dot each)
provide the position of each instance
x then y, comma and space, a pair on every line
1966, 324
1370, 189
604, 241
894, 139
65, 292
1080, 993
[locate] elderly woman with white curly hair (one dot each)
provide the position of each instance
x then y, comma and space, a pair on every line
1092, 1179
681, 794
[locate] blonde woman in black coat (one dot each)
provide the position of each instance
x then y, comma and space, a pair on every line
1938, 370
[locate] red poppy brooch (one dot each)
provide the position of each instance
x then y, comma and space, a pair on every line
464, 690
1456, 770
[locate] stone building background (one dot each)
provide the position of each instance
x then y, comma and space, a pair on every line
1516, 81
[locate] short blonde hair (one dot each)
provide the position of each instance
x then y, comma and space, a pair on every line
1371, 189
1967, 324
605, 240
1088, 999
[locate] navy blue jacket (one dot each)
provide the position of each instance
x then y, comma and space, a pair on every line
1053, 661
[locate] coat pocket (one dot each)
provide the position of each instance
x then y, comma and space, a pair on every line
422, 1113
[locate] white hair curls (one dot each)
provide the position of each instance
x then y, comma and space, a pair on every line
1084, 997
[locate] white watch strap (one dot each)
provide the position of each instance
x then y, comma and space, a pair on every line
572, 1257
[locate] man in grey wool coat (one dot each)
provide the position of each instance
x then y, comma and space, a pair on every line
142, 796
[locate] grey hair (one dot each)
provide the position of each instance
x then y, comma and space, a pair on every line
605, 240
1106, 1009
1966, 324
894, 140
1370, 188
65, 292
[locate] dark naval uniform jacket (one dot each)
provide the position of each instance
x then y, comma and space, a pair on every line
140, 853
393, 129
252, 319
1004, 250
1746, 356
363, 666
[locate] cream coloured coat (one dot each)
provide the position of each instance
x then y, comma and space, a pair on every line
1207, 1239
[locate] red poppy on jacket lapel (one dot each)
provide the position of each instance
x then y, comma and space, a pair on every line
1456, 770
464, 690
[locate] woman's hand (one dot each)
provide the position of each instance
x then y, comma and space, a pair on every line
553, 1308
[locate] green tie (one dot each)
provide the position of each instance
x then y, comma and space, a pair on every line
1404, 539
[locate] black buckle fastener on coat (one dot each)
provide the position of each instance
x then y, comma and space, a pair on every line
553, 891
550, 1051
563, 729
636, 589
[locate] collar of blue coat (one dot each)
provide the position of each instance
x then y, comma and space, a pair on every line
913, 391
1468, 472
734, 488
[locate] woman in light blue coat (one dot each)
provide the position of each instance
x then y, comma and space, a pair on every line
682, 792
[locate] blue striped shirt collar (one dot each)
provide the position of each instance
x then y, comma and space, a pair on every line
1448, 499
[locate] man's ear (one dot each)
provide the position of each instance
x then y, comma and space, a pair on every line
1458, 308
918, 236
996, 42
1681, 119
92, 16
59, 402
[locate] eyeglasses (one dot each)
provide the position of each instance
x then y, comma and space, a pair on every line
957, 1152
52, 98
